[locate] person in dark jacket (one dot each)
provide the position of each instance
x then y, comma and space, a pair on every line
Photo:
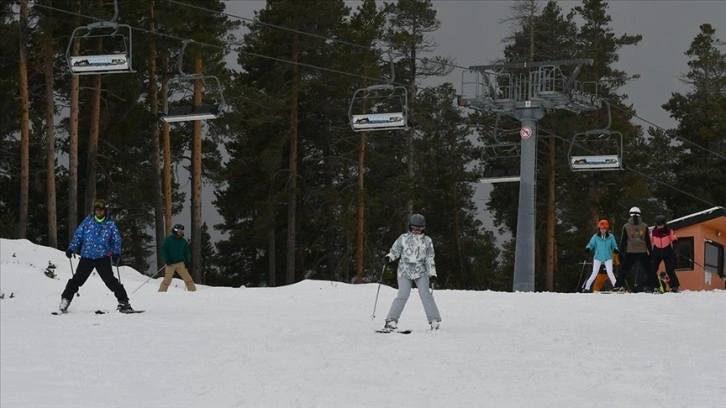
635, 242
177, 256
663, 237
99, 242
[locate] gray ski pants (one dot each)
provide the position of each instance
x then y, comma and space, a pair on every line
404, 290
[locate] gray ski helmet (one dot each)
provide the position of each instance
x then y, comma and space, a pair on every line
635, 211
177, 228
660, 220
418, 220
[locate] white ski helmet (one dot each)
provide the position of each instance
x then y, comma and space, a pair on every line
635, 211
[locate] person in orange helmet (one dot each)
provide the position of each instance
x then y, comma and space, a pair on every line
603, 243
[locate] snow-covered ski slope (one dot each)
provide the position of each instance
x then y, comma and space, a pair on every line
313, 344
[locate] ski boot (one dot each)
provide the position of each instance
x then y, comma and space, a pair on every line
391, 325
124, 307
63, 307
435, 324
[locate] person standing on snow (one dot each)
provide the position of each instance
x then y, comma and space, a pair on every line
663, 237
416, 253
635, 241
177, 255
99, 242
603, 243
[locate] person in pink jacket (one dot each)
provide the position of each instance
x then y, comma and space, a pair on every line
662, 238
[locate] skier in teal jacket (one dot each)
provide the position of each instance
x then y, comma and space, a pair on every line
603, 243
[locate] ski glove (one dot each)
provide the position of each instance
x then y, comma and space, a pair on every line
587, 251
433, 279
616, 251
116, 259
69, 254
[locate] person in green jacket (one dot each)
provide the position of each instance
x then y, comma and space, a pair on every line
177, 255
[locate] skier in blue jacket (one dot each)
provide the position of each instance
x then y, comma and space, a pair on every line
99, 242
603, 243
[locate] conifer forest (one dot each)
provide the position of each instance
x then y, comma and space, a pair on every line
146, 102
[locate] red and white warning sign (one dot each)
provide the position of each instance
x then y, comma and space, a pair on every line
525, 132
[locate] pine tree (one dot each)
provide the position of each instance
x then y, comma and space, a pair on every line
701, 131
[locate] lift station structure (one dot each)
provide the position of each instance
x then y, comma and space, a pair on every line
526, 91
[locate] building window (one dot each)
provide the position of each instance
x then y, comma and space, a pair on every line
684, 253
713, 261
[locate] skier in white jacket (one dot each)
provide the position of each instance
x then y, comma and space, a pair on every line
416, 253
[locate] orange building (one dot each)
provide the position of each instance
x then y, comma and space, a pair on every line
700, 249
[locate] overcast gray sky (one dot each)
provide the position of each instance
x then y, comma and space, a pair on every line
471, 34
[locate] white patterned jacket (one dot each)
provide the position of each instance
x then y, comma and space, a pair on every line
417, 255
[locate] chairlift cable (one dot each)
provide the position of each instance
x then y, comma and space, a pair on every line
686, 141
220, 47
293, 30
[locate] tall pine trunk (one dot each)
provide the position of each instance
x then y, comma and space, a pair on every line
197, 180
73, 142
292, 178
92, 156
48, 50
166, 142
361, 209
155, 144
24, 122
410, 135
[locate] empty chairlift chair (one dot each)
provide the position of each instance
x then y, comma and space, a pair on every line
180, 106
111, 53
379, 107
596, 149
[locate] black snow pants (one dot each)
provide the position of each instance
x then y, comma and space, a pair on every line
646, 279
668, 256
83, 271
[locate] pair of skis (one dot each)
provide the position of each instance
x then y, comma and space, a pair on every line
100, 312
394, 331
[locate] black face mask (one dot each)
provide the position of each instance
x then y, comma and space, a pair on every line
636, 219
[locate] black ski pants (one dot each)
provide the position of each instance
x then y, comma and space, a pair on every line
83, 271
646, 279
668, 256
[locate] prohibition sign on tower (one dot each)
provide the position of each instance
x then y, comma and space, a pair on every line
525, 91
525, 132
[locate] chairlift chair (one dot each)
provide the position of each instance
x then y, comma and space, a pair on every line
596, 150
498, 148
181, 91
379, 107
116, 57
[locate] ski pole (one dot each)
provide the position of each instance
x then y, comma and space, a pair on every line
380, 281
579, 280
118, 271
150, 277
694, 262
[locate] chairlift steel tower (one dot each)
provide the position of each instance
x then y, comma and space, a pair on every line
527, 91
